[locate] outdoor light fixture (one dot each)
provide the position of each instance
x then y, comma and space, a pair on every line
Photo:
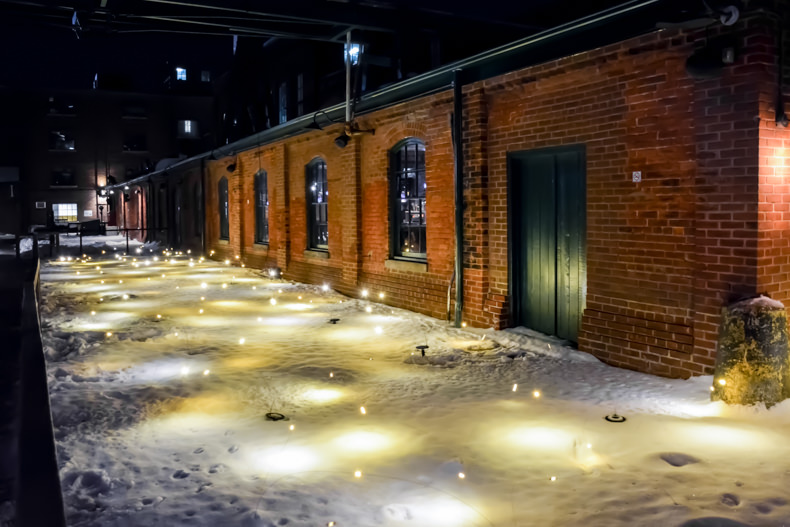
342, 140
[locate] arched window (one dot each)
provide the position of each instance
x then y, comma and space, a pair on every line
224, 228
317, 197
261, 207
407, 199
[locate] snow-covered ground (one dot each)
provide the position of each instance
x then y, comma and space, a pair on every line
162, 421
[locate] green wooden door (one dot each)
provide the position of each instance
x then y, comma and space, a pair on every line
547, 239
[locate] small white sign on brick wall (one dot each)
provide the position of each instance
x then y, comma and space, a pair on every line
87, 213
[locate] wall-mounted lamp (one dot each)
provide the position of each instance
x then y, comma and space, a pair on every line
351, 129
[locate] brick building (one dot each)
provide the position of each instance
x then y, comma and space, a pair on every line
615, 192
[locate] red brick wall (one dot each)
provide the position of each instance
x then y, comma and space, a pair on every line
663, 255
773, 243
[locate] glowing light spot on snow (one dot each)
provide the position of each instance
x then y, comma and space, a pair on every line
204, 285
461, 475
378, 330
224, 286
536, 394
185, 370
364, 293
381, 296
358, 474
439, 511
542, 438
363, 441
242, 340
553, 478
288, 460
722, 382
201, 311
515, 387
126, 297
324, 287
272, 301
93, 312
322, 395
109, 333
298, 307
291, 428
362, 410
206, 372
463, 324
227, 262
368, 309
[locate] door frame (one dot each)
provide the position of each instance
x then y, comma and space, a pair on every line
514, 294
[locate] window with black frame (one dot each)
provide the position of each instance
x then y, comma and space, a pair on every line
317, 197
407, 165
224, 228
261, 207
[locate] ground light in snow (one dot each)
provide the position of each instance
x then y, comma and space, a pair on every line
165, 420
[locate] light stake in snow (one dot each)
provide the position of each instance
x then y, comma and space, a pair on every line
331, 374
358, 474
614, 418
536, 394
422, 348
364, 293
158, 318
362, 410
324, 287
515, 387
461, 475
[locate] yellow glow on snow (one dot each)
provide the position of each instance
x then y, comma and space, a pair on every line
363, 441
298, 307
284, 459
322, 395
542, 438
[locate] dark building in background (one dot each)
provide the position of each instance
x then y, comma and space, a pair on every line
60, 148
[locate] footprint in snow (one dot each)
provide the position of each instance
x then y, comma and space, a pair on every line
198, 451
730, 500
678, 459
233, 449
180, 474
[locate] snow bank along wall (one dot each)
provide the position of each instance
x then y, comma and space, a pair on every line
707, 223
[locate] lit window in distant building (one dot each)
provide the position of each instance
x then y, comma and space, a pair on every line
61, 106
407, 167
283, 102
317, 197
181, 74
205, 76
188, 129
261, 207
60, 140
64, 212
63, 178
134, 142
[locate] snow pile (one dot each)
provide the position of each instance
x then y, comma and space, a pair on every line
167, 376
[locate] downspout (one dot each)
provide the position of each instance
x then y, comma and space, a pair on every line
459, 195
202, 205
